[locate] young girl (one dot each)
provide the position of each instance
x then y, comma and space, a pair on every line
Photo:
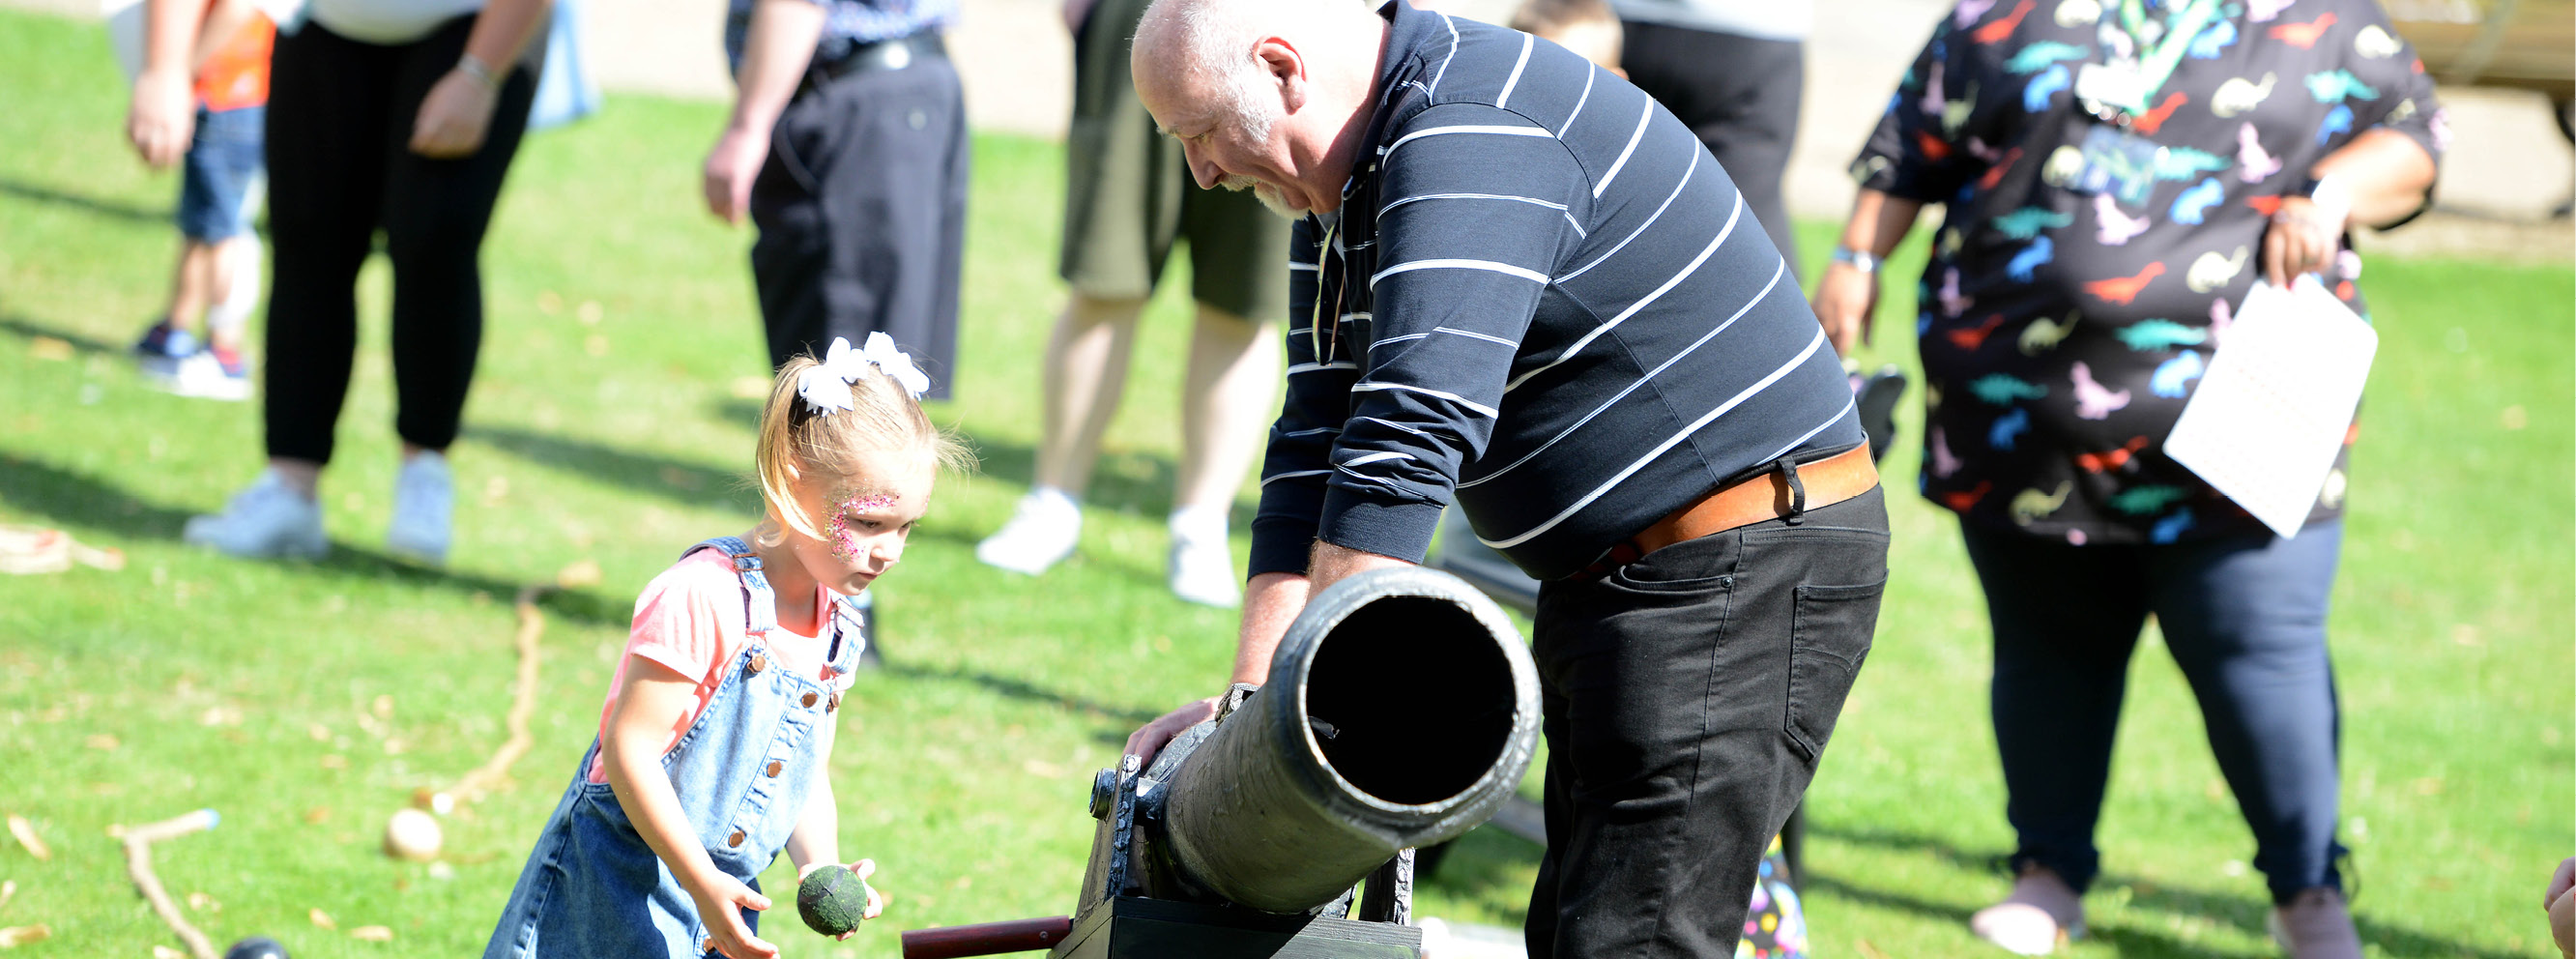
713, 748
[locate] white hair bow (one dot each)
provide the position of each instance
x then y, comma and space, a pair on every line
826, 385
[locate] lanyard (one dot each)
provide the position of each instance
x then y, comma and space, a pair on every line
2155, 66
1327, 306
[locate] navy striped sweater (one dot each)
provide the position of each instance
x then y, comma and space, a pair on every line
1540, 297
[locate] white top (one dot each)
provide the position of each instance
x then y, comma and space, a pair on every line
387, 22
1761, 19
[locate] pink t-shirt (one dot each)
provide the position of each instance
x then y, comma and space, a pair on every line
691, 619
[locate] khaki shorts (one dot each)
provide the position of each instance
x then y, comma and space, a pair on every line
1128, 195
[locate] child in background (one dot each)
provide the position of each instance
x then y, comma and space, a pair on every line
1587, 27
715, 744
226, 65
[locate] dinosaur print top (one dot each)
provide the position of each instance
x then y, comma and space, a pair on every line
2063, 330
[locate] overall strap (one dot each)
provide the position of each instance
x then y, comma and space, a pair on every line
848, 639
760, 606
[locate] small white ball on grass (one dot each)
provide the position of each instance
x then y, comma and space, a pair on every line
412, 834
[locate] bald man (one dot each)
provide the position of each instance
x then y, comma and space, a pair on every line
1518, 284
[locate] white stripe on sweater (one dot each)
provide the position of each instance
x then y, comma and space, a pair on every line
1642, 302
1813, 343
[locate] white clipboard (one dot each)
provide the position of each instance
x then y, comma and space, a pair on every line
2268, 418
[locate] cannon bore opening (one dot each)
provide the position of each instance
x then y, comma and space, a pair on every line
1411, 699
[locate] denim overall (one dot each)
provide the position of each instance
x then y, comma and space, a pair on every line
742, 771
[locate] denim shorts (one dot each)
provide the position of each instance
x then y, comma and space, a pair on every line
224, 172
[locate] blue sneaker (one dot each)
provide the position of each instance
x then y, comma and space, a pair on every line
162, 347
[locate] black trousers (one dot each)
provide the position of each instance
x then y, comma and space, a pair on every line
862, 216
1688, 696
1739, 94
340, 167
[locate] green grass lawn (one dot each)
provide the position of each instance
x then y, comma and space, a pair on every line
307, 701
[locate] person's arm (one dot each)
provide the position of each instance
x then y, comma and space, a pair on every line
1847, 295
1076, 11
775, 51
2381, 176
457, 113
630, 746
162, 117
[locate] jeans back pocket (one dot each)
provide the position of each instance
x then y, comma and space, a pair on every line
1829, 639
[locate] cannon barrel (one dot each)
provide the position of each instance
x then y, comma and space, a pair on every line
1400, 711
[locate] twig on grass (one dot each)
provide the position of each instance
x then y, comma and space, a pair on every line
138, 842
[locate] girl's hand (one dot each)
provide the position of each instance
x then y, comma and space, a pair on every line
1846, 299
454, 117
2302, 239
863, 869
720, 907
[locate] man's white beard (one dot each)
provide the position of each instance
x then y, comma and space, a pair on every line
1272, 201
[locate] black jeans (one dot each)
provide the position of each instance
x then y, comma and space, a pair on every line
1688, 696
340, 167
1739, 95
2245, 618
862, 216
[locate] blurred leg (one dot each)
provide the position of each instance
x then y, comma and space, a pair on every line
2246, 619
328, 109
2065, 620
1085, 372
1230, 395
435, 215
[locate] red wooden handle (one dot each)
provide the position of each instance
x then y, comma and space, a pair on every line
985, 939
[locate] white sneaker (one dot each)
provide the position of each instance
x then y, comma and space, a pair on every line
202, 376
1202, 571
267, 520
1041, 533
424, 501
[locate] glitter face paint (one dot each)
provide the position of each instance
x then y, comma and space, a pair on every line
843, 540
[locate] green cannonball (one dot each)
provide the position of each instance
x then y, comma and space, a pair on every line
832, 900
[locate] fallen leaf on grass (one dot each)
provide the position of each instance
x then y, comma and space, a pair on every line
102, 742
580, 575
335, 761
8, 891
323, 919
165, 952
372, 934
26, 833
22, 935
49, 348
204, 903
317, 815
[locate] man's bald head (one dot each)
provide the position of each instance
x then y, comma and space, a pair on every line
1261, 91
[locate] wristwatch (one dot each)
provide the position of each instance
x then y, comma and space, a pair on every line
1857, 259
2331, 195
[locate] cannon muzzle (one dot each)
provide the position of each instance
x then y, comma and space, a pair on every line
1400, 711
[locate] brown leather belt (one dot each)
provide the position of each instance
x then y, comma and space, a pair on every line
1772, 495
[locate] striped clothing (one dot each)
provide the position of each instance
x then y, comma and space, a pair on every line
1540, 296
848, 24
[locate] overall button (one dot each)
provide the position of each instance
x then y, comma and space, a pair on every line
809, 699
773, 768
759, 662
735, 839
834, 704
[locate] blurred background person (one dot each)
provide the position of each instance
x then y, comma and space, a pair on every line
2097, 235
1733, 72
847, 148
1128, 200
399, 115
201, 100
